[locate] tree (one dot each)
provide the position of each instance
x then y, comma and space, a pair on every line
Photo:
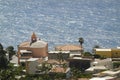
97, 56
3, 59
3, 62
87, 54
75, 73
1, 47
81, 41
60, 57
11, 72
2, 52
96, 46
116, 64
44, 67
11, 52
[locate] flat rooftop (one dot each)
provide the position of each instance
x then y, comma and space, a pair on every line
59, 52
103, 49
32, 59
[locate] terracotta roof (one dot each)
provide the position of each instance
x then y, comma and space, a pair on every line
83, 79
37, 44
25, 44
52, 61
58, 70
40, 60
68, 47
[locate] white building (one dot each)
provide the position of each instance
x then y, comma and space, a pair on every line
74, 49
31, 65
99, 65
55, 54
103, 78
36, 65
112, 73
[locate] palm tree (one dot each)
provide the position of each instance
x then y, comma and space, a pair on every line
81, 41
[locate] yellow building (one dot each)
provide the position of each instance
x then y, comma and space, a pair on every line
104, 52
115, 53
108, 53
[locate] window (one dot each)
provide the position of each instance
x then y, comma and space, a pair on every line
26, 54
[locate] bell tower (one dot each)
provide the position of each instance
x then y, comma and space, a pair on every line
33, 38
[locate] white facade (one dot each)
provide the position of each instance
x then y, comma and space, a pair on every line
98, 65
31, 65
112, 73
103, 78
104, 62
55, 54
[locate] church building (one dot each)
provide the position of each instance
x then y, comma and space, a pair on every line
35, 48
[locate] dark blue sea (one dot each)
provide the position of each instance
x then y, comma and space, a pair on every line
61, 22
